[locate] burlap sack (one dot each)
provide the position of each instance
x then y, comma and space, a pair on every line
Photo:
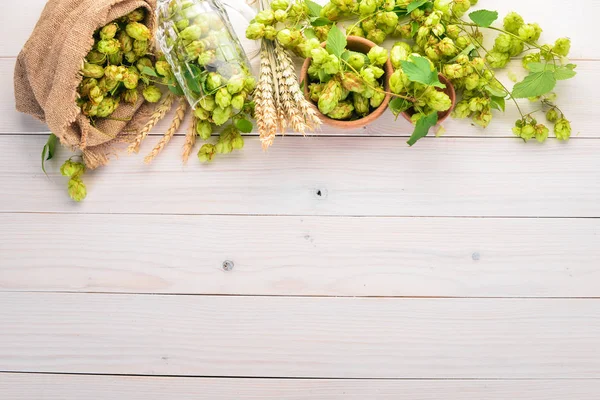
47, 75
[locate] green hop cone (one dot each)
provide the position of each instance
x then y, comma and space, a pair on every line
92, 71
367, 7
204, 129
398, 54
138, 31
280, 5
503, 43
387, 19
454, 71
90, 109
447, 47
453, 31
130, 57
319, 55
107, 107
352, 82
552, 115
308, 46
472, 81
356, 61
562, 129
222, 115
115, 72
130, 96
143, 63
331, 12
378, 55
77, 189
116, 59
332, 65
207, 153
376, 36
208, 103
377, 99
152, 94
182, 24
460, 7
280, 15
483, 118
497, 60
530, 32
562, 46
356, 30
438, 101
368, 25
315, 90
131, 78
461, 110
206, 58
136, 15
343, 110
213, 81
541, 133
361, 104
235, 84
96, 95
376, 71
238, 101
513, 22
237, 142
398, 81
86, 85
531, 58
108, 46
201, 114
140, 47
109, 31
95, 57
125, 41
322, 32
72, 169
255, 31
266, 17
331, 95
404, 31
223, 98
163, 68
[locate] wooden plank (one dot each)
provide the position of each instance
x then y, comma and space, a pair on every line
324, 176
300, 255
572, 94
24, 14
75, 387
299, 337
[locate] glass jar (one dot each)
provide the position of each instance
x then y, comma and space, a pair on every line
200, 43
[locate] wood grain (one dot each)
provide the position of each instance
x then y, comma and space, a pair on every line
299, 337
324, 176
76, 387
300, 255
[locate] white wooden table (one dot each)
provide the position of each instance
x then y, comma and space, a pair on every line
467, 267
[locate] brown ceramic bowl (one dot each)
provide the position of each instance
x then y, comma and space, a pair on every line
360, 45
449, 90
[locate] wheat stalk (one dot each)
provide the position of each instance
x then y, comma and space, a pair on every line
265, 101
160, 112
175, 124
190, 140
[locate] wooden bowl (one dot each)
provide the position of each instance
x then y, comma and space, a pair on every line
442, 116
360, 45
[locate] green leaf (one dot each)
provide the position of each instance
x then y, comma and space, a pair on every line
414, 5
495, 91
244, 125
414, 28
149, 71
176, 89
419, 70
564, 73
560, 72
49, 150
310, 33
320, 21
336, 41
314, 9
465, 52
323, 76
535, 84
399, 105
422, 127
484, 18
498, 103
192, 81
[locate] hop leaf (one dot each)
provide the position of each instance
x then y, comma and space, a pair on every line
419, 70
535, 84
484, 18
422, 127
336, 41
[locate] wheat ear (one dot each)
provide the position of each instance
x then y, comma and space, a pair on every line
265, 111
190, 140
175, 124
160, 112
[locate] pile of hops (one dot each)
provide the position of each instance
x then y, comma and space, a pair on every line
120, 66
